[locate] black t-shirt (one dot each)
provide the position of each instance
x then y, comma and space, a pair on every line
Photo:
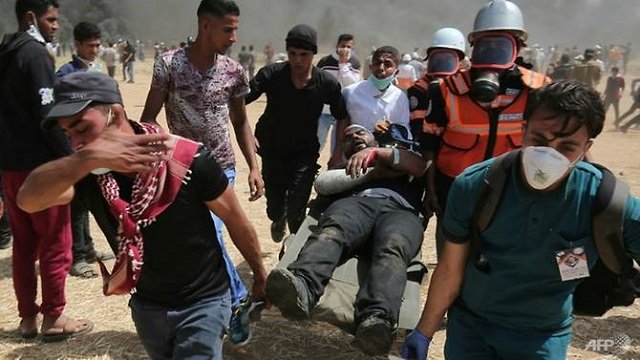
182, 258
290, 120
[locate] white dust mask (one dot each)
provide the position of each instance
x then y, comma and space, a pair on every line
34, 31
543, 166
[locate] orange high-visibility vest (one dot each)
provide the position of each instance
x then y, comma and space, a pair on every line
475, 133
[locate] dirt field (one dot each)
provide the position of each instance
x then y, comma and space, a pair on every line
114, 335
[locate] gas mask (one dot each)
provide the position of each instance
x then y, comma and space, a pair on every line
491, 56
442, 62
34, 31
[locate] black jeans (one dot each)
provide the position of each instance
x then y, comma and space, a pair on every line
380, 230
82, 245
287, 181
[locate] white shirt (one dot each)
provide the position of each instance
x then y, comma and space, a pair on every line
367, 105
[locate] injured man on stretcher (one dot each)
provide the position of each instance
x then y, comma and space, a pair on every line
376, 218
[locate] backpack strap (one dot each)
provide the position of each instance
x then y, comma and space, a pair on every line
494, 184
495, 181
607, 218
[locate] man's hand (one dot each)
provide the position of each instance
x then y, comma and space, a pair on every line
416, 346
256, 185
382, 126
125, 153
259, 289
1, 208
359, 162
430, 204
343, 55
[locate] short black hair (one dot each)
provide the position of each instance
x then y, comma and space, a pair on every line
615, 68
344, 37
85, 31
573, 100
38, 7
218, 8
395, 54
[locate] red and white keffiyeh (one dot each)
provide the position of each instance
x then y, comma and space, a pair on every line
152, 193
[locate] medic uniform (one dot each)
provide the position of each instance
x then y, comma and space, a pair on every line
462, 132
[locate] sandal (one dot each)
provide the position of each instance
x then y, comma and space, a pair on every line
28, 328
70, 329
83, 269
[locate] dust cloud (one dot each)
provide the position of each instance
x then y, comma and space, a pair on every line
403, 23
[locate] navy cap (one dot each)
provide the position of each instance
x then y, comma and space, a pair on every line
74, 92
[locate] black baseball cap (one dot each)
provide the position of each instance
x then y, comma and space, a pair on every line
74, 92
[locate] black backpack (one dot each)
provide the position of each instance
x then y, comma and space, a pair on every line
614, 281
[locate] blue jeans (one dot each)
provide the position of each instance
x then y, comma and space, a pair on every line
471, 337
238, 290
191, 332
325, 122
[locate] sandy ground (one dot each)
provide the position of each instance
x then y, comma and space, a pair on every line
114, 335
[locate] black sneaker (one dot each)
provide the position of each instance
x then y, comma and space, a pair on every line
278, 229
288, 293
374, 336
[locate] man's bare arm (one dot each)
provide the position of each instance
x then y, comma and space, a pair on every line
152, 106
52, 183
247, 145
445, 286
243, 235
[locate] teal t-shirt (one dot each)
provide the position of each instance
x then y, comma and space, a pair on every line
523, 289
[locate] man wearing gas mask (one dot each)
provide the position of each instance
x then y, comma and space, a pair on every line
447, 49
478, 114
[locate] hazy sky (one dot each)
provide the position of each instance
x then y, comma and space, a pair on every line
403, 23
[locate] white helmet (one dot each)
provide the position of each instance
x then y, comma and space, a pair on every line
499, 15
448, 38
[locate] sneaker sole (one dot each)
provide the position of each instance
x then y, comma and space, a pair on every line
282, 292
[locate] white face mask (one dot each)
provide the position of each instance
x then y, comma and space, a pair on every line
102, 171
544, 166
34, 31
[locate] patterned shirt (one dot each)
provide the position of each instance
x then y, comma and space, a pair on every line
197, 104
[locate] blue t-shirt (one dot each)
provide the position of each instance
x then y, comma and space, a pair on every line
523, 289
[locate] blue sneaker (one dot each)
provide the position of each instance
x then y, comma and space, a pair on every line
243, 315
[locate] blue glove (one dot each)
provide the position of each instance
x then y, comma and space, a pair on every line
416, 346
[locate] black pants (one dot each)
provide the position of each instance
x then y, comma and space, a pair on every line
287, 181
610, 100
82, 245
380, 230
